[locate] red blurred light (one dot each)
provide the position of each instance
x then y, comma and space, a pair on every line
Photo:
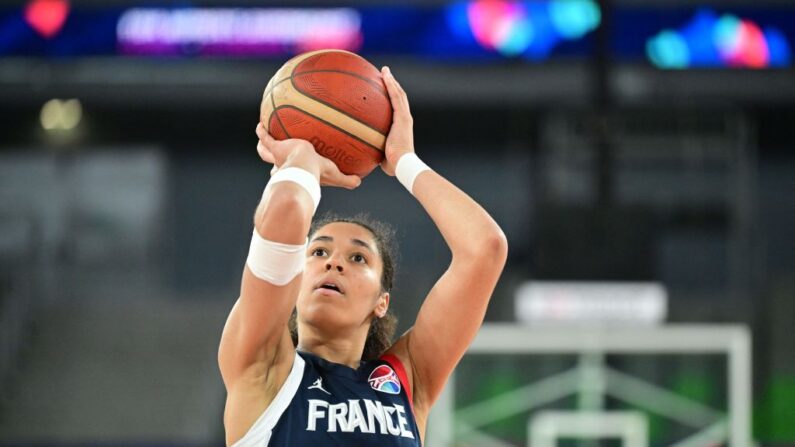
47, 17
491, 21
752, 48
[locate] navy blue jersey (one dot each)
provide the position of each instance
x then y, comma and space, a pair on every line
328, 404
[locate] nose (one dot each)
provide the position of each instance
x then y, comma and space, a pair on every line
332, 263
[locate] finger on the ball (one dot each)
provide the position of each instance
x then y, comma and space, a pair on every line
394, 96
353, 181
268, 153
390, 86
389, 79
264, 153
387, 168
345, 181
392, 79
263, 134
397, 94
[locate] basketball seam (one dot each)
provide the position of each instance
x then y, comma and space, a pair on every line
299, 90
278, 118
274, 86
325, 122
372, 137
355, 75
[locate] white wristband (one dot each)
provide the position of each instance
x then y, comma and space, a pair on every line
275, 262
300, 177
408, 168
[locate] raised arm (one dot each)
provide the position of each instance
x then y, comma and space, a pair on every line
453, 310
257, 324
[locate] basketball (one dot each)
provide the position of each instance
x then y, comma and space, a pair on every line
337, 101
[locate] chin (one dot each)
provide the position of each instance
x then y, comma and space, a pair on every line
323, 314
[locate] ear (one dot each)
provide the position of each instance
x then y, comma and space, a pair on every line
382, 305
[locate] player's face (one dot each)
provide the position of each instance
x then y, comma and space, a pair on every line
341, 286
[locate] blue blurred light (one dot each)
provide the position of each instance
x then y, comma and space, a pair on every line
780, 55
574, 18
668, 50
519, 38
698, 34
458, 21
526, 28
13, 32
546, 36
709, 40
726, 33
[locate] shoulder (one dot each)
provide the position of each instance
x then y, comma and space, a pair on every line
399, 357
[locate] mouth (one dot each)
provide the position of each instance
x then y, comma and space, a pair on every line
330, 286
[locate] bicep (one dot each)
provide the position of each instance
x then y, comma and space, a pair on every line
448, 321
257, 325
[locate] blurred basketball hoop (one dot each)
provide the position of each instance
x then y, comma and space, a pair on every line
592, 382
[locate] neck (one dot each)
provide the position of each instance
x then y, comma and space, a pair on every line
346, 350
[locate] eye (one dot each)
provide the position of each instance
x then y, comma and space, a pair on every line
319, 252
359, 258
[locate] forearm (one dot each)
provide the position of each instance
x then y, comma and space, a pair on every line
285, 212
454, 309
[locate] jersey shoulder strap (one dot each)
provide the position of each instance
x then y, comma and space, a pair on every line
400, 370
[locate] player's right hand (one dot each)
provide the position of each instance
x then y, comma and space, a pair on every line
301, 154
400, 140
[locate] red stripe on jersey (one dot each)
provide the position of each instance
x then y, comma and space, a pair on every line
397, 365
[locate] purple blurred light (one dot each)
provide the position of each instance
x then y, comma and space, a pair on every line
237, 31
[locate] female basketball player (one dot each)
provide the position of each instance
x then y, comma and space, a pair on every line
327, 390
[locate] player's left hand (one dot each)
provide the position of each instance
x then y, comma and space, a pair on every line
400, 140
278, 152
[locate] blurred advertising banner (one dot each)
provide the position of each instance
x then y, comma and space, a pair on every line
237, 31
680, 36
589, 303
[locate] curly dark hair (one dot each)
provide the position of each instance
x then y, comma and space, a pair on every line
382, 330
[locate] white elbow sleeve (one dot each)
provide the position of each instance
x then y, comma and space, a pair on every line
302, 178
275, 262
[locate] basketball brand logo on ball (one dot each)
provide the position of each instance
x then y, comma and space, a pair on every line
385, 380
335, 154
337, 101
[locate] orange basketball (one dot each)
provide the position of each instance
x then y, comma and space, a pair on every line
336, 100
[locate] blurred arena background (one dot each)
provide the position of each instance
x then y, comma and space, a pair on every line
638, 154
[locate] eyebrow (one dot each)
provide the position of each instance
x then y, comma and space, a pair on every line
358, 242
